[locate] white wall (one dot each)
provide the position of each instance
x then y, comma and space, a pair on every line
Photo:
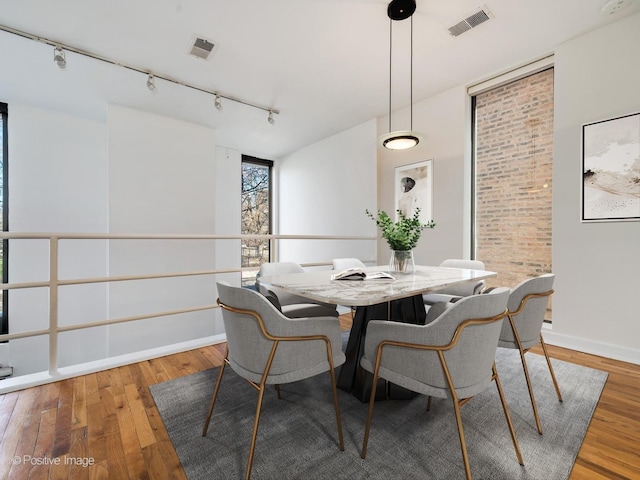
162, 179
58, 183
324, 189
597, 76
228, 217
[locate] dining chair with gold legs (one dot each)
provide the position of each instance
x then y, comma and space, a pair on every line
451, 357
522, 329
267, 348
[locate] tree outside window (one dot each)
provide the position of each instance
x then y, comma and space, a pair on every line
256, 214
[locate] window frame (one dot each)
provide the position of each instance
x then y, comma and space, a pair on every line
4, 318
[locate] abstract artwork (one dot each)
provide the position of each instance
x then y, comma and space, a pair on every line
414, 189
611, 169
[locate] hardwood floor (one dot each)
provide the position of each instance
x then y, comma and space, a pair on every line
106, 426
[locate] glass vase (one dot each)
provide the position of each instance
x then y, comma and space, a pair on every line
402, 261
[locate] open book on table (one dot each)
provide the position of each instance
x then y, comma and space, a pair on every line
357, 273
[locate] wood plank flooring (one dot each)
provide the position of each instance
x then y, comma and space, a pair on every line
106, 426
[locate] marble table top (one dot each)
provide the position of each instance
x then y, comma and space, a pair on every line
317, 285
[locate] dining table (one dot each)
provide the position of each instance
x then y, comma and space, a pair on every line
393, 299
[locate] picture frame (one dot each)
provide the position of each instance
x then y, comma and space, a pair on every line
611, 170
414, 189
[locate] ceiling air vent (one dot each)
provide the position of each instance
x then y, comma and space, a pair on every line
201, 47
482, 15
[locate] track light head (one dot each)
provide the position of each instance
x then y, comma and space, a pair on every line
218, 102
270, 118
151, 83
59, 58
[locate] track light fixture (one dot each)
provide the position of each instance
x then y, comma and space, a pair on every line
151, 83
59, 58
270, 118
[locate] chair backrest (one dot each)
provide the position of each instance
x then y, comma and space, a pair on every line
278, 268
466, 289
530, 315
470, 360
344, 263
462, 263
249, 348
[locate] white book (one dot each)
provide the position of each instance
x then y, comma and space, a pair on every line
357, 273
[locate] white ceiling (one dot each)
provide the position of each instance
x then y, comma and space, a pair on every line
324, 64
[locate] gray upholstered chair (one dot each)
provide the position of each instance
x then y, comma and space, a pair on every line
293, 306
340, 264
451, 357
456, 292
265, 347
522, 329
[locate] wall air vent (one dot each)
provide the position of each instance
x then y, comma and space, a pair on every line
201, 47
476, 18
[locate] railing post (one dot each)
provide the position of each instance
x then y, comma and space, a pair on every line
53, 306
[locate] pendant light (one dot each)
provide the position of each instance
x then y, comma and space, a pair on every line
400, 139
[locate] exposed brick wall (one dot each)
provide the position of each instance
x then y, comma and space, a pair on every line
513, 225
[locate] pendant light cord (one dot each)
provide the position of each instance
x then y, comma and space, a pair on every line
390, 59
411, 79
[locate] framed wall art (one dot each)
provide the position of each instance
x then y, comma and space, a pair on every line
414, 189
611, 170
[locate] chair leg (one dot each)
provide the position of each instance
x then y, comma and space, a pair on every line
553, 375
428, 403
336, 407
372, 401
507, 415
215, 394
254, 435
531, 396
456, 409
463, 441
526, 375
278, 392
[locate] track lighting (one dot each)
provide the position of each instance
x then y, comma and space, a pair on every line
151, 83
59, 58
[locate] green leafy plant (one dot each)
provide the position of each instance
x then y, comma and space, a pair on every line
403, 234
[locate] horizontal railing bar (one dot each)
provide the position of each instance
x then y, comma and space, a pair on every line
323, 264
15, 286
101, 323
146, 316
122, 278
160, 236
30, 333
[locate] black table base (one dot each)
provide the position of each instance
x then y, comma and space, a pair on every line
355, 379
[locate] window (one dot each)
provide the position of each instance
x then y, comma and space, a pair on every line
4, 215
513, 149
256, 214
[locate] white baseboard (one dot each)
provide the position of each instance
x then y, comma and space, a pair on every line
12, 384
602, 349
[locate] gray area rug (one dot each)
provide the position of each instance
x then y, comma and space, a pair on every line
297, 438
